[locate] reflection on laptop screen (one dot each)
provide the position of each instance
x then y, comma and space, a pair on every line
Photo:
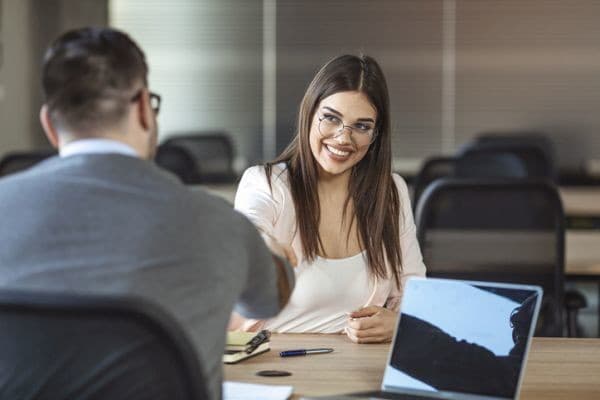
461, 337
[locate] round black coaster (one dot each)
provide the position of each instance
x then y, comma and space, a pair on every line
273, 372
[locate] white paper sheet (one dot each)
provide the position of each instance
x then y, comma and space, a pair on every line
251, 391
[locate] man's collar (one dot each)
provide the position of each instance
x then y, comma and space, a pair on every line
96, 146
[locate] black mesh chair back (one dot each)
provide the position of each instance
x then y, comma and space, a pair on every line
492, 164
433, 168
179, 161
59, 347
504, 160
537, 139
19, 161
501, 231
212, 153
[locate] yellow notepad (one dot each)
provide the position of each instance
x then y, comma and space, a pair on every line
235, 338
235, 348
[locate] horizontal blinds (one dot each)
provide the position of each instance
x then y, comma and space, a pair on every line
403, 36
516, 65
530, 65
205, 60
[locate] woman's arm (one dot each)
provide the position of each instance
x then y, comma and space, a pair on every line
263, 206
257, 202
255, 199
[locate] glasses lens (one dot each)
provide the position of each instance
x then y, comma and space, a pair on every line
362, 137
329, 126
155, 102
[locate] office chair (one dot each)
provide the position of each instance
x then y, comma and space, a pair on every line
433, 168
19, 161
490, 164
66, 346
533, 138
492, 155
505, 160
213, 154
499, 230
179, 161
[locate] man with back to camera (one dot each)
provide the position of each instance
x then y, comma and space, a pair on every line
100, 218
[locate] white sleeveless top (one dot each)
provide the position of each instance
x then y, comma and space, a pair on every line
326, 290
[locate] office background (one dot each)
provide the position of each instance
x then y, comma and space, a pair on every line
455, 67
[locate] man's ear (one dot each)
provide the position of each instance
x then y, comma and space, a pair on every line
48, 126
145, 111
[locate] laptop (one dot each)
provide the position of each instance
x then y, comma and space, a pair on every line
458, 340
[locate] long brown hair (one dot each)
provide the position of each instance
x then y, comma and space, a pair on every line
371, 187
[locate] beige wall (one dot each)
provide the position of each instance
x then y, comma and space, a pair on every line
530, 65
205, 59
16, 77
28, 26
456, 68
405, 37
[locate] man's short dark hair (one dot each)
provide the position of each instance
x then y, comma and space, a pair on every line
89, 76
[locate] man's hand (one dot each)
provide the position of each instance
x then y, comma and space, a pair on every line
279, 249
371, 325
280, 253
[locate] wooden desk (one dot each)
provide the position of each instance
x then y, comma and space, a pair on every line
582, 246
557, 368
581, 200
582, 253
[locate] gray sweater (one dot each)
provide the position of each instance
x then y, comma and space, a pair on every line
113, 224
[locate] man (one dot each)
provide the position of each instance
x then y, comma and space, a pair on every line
100, 218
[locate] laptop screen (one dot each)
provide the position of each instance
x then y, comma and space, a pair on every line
462, 337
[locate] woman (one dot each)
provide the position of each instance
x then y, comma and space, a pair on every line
331, 198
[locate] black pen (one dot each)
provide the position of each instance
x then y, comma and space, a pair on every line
304, 352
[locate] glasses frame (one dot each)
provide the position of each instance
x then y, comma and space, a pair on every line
340, 130
155, 100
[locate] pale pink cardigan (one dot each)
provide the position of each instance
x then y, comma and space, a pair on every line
274, 213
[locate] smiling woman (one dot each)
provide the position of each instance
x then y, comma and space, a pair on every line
331, 199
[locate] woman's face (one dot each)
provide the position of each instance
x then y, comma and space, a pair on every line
341, 132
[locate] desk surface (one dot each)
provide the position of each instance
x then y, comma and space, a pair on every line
582, 247
557, 368
582, 253
581, 200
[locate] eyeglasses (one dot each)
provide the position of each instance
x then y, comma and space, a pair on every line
331, 126
154, 100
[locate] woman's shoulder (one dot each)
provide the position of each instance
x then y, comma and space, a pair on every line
404, 196
257, 174
267, 205
400, 184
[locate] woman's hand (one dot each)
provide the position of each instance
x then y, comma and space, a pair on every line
371, 325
